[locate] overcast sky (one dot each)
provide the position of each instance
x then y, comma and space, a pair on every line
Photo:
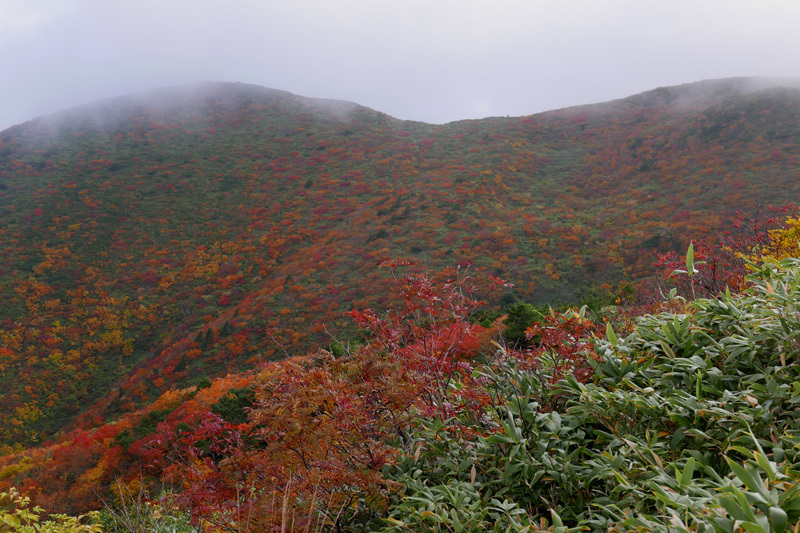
428, 60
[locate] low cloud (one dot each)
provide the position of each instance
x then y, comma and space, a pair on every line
429, 61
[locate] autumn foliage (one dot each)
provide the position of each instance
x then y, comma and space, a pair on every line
147, 243
314, 434
321, 429
225, 233
724, 264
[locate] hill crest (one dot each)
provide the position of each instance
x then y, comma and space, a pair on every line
689, 96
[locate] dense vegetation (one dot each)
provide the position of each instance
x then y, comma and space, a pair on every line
151, 244
150, 240
686, 423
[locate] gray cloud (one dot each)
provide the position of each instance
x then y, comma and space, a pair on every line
429, 60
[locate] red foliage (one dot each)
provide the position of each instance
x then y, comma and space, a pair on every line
320, 429
717, 266
721, 265
568, 344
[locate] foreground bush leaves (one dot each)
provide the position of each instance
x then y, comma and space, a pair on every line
689, 424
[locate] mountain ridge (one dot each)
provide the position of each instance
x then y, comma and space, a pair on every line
721, 88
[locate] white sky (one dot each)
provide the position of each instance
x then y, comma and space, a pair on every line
429, 60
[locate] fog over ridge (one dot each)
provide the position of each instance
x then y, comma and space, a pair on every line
434, 62
191, 97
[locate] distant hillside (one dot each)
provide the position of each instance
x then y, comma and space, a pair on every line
149, 240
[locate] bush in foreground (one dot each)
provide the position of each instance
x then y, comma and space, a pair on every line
690, 423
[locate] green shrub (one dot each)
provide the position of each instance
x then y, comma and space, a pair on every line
520, 317
137, 513
234, 405
690, 423
16, 515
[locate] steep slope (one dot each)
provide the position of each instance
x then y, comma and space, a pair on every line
152, 239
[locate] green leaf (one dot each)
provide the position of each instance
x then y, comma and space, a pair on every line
611, 336
688, 472
750, 479
670, 333
765, 465
690, 259
557, 522
699, 386
753, 527
667, 350
734, 509
778, 519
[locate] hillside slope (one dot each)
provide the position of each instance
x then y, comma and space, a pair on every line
152, 239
